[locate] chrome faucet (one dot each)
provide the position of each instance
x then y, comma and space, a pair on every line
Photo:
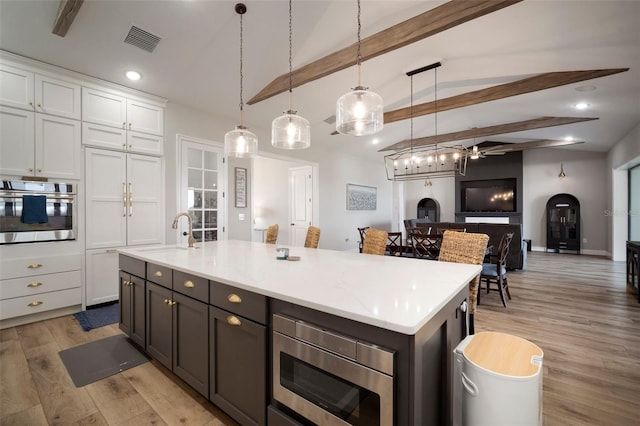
175, 226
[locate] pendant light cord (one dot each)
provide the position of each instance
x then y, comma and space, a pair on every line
411, 114
359, 53
290, 50
241, 75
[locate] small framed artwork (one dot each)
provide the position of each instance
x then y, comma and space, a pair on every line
241, 187
360, 197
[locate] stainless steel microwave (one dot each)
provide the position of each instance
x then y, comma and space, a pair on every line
34, 211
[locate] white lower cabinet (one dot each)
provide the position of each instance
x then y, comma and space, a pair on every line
101, 277
38, 284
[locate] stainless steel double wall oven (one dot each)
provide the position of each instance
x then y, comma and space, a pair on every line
34, 211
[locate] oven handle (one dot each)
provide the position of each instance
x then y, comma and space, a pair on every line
18, 196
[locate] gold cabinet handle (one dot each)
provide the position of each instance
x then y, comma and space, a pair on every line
34, 265
172, 302
189, 284
130, 199
158, 273
234, 298
34, 284
124, 199
233, 320
39, 105
124, 125
129, 126
166, 301
34, 303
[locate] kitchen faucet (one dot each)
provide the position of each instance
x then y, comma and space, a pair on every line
175, 226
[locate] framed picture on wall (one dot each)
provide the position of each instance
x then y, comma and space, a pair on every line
360, 197
241, 187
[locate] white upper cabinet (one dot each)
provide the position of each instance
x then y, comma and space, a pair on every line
116, 111
39, 145
35, 92
58, 148
104, 108
17, 141
16, 87
144, 117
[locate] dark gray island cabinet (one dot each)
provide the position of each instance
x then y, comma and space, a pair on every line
212, 346
342, 339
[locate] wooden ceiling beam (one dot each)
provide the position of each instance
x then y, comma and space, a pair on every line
417, 28
67, 12
501, 91
480, 132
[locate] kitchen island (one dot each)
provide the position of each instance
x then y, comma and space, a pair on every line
410, 308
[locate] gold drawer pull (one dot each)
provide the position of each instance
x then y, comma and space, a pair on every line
234, 298
158, 273
233, 320
33, 304
189, 284
34, 284
172, 302
34, 265
166, 301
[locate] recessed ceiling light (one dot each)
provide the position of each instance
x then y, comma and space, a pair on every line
375, 141
588, 88
568, 138
133, 75
582, 105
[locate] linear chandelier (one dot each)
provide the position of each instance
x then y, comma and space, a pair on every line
426, 162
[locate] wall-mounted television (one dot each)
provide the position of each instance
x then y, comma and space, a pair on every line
495, 195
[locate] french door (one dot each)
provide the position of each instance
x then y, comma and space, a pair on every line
201, 191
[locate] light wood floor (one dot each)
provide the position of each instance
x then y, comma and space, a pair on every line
575, 308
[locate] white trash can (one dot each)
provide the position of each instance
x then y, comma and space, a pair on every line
498, 381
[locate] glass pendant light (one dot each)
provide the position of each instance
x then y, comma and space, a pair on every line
359, 112
290, 131
240, 142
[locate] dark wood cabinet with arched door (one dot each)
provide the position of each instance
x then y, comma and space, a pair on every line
429, 208
563, 223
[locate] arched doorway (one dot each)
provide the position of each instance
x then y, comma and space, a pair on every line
429, 208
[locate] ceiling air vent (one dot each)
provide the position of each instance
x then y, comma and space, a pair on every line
142, 39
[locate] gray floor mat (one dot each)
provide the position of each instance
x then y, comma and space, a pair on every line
102, 358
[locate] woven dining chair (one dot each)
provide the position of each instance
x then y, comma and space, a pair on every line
375, 241
495, 271
463, 247
362, 232
272, 234
313, 236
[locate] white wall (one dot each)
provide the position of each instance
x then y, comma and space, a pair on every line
442, 190
586, 180
624, 155
271, 196
179, 119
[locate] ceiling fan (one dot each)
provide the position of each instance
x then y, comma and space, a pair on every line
479, 132
502, 148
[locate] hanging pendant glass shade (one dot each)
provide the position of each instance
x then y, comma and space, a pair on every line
290, 131
359, 112
240, 143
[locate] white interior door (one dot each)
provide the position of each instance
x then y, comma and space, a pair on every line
201, 191
301, 204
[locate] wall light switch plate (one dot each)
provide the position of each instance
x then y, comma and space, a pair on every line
240, 216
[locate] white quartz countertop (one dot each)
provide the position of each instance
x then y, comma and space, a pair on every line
398, 294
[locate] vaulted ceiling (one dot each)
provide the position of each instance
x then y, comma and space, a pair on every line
196, 62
